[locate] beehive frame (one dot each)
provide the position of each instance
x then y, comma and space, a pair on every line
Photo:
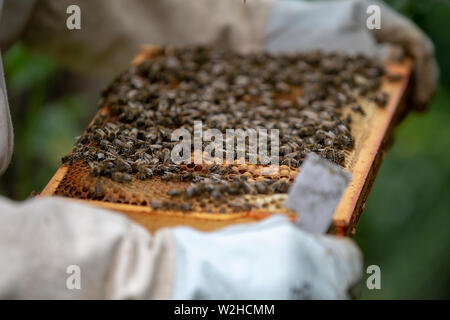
374, 140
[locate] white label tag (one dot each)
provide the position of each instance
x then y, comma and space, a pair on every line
316, 192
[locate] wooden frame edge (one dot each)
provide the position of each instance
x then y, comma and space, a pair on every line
349, 208
369, 159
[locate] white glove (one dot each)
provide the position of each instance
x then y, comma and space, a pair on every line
41, 238
397, 30
341, 25
118, 259
272, 259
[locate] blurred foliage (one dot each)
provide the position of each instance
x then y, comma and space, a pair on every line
404, 227
46, 120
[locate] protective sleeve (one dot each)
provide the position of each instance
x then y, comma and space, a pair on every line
52, 248
112, 31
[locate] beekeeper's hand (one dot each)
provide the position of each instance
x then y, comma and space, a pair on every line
50, 247
342, 26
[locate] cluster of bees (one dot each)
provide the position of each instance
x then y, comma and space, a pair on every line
303, 95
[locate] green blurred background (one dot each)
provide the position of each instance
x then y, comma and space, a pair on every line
404, 227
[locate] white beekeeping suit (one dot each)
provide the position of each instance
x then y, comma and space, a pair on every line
42, 239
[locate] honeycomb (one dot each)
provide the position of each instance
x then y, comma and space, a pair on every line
80, 183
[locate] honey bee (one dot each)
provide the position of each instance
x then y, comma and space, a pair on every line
226, 90
120, 177
98, 189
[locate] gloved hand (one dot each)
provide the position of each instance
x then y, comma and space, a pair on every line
397, 30
118, 259
272, 259
341, 25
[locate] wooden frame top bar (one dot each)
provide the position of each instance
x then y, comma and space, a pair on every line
364, 169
